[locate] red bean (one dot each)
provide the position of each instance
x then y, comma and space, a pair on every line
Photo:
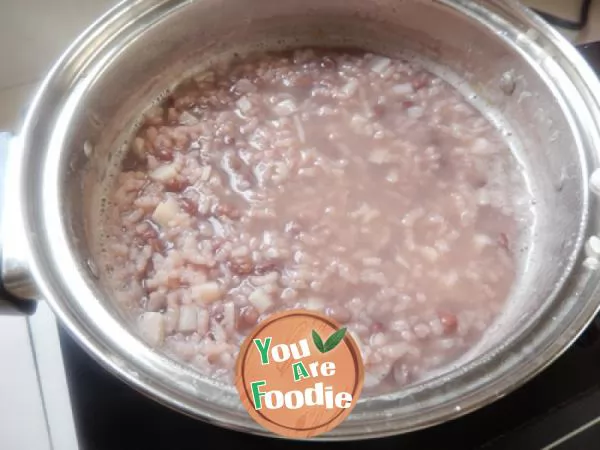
217, 243
217, 309
148, 234
189, 206
157, 245
477, 181
293, 227
248, 317
503, 241
379, 111
223, 210
242, 265
265, 267
173, 283
172, 115
328, 63
234, 162
163, 140
176, 185
377, 327
449, 322
228, 140
185, 102
302, 81
163, 154
420, 81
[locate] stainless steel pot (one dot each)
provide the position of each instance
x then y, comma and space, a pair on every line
524, 74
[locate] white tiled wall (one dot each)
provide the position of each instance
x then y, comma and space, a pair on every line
34, 32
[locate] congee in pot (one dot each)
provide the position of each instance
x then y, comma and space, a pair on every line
363, 187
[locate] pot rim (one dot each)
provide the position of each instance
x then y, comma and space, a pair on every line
489, 377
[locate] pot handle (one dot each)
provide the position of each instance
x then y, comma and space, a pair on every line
9, 304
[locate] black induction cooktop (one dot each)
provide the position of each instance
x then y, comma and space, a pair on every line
558, 409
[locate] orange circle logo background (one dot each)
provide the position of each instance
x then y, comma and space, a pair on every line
290, 328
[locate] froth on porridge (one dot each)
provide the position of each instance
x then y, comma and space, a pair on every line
348, 183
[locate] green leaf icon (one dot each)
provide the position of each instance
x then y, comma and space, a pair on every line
331, 343
318, 341
334, 340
